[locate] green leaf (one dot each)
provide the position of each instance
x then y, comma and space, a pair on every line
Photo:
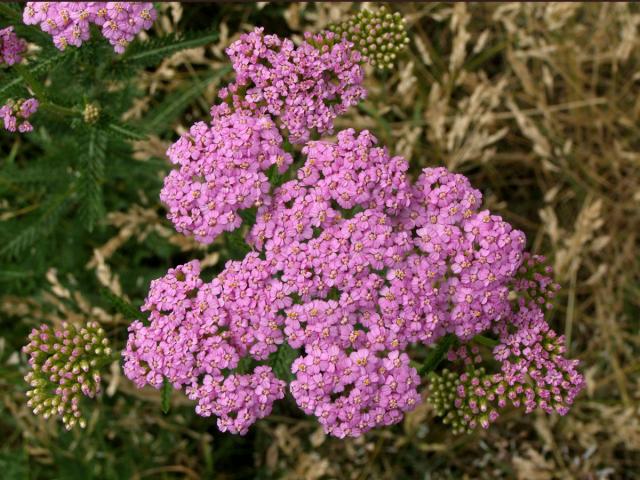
437, 354
236, 244
92, 178
148, 53
177, 102
165, 396
486, 341
125, 131
281, 361
122, 306
39, 229
15, 85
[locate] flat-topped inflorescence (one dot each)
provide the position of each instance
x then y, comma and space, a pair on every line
65, 364
69, 22
378, 35
354, 263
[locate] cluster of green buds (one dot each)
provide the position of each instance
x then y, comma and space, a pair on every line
379, 36
463, 400
466, 400
91, 113
65, 363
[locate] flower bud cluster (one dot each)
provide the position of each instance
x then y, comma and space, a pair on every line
91, 113
69, 23
533, 373
11, 46
15, 115
534, 281
379, 35
65, 364
467, 400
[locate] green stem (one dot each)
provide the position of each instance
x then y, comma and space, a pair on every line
437, 354
59, 109
41, 92
486, 341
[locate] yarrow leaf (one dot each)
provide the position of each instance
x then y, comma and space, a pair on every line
177, 102
40, 228
92, 177
147, 53
122, 306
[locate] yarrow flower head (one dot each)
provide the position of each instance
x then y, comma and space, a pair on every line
11, 46
65, 364
305, 87
378, 35
15, 115
69, 22
222, 170
353, 264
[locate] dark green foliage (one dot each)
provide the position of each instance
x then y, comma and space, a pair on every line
144, 54
437, 354
92, 177
165, 396
120, 305
281, 361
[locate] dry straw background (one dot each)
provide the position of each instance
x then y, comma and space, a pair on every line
539, 105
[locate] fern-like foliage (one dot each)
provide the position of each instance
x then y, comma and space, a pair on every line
58, 183
91, 178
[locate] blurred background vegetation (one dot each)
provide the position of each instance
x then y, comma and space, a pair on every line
537, 103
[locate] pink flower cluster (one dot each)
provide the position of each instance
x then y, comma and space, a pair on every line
15, 115
197, 334
222, 170
69, 22
303, 87
447, 264
533, 371
277, 86
355, 265
533, 368
11, 46
353, 393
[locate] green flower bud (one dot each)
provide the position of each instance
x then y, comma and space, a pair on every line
371, 32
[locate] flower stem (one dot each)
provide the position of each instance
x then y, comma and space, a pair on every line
59, 109
437, 354
486, 341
